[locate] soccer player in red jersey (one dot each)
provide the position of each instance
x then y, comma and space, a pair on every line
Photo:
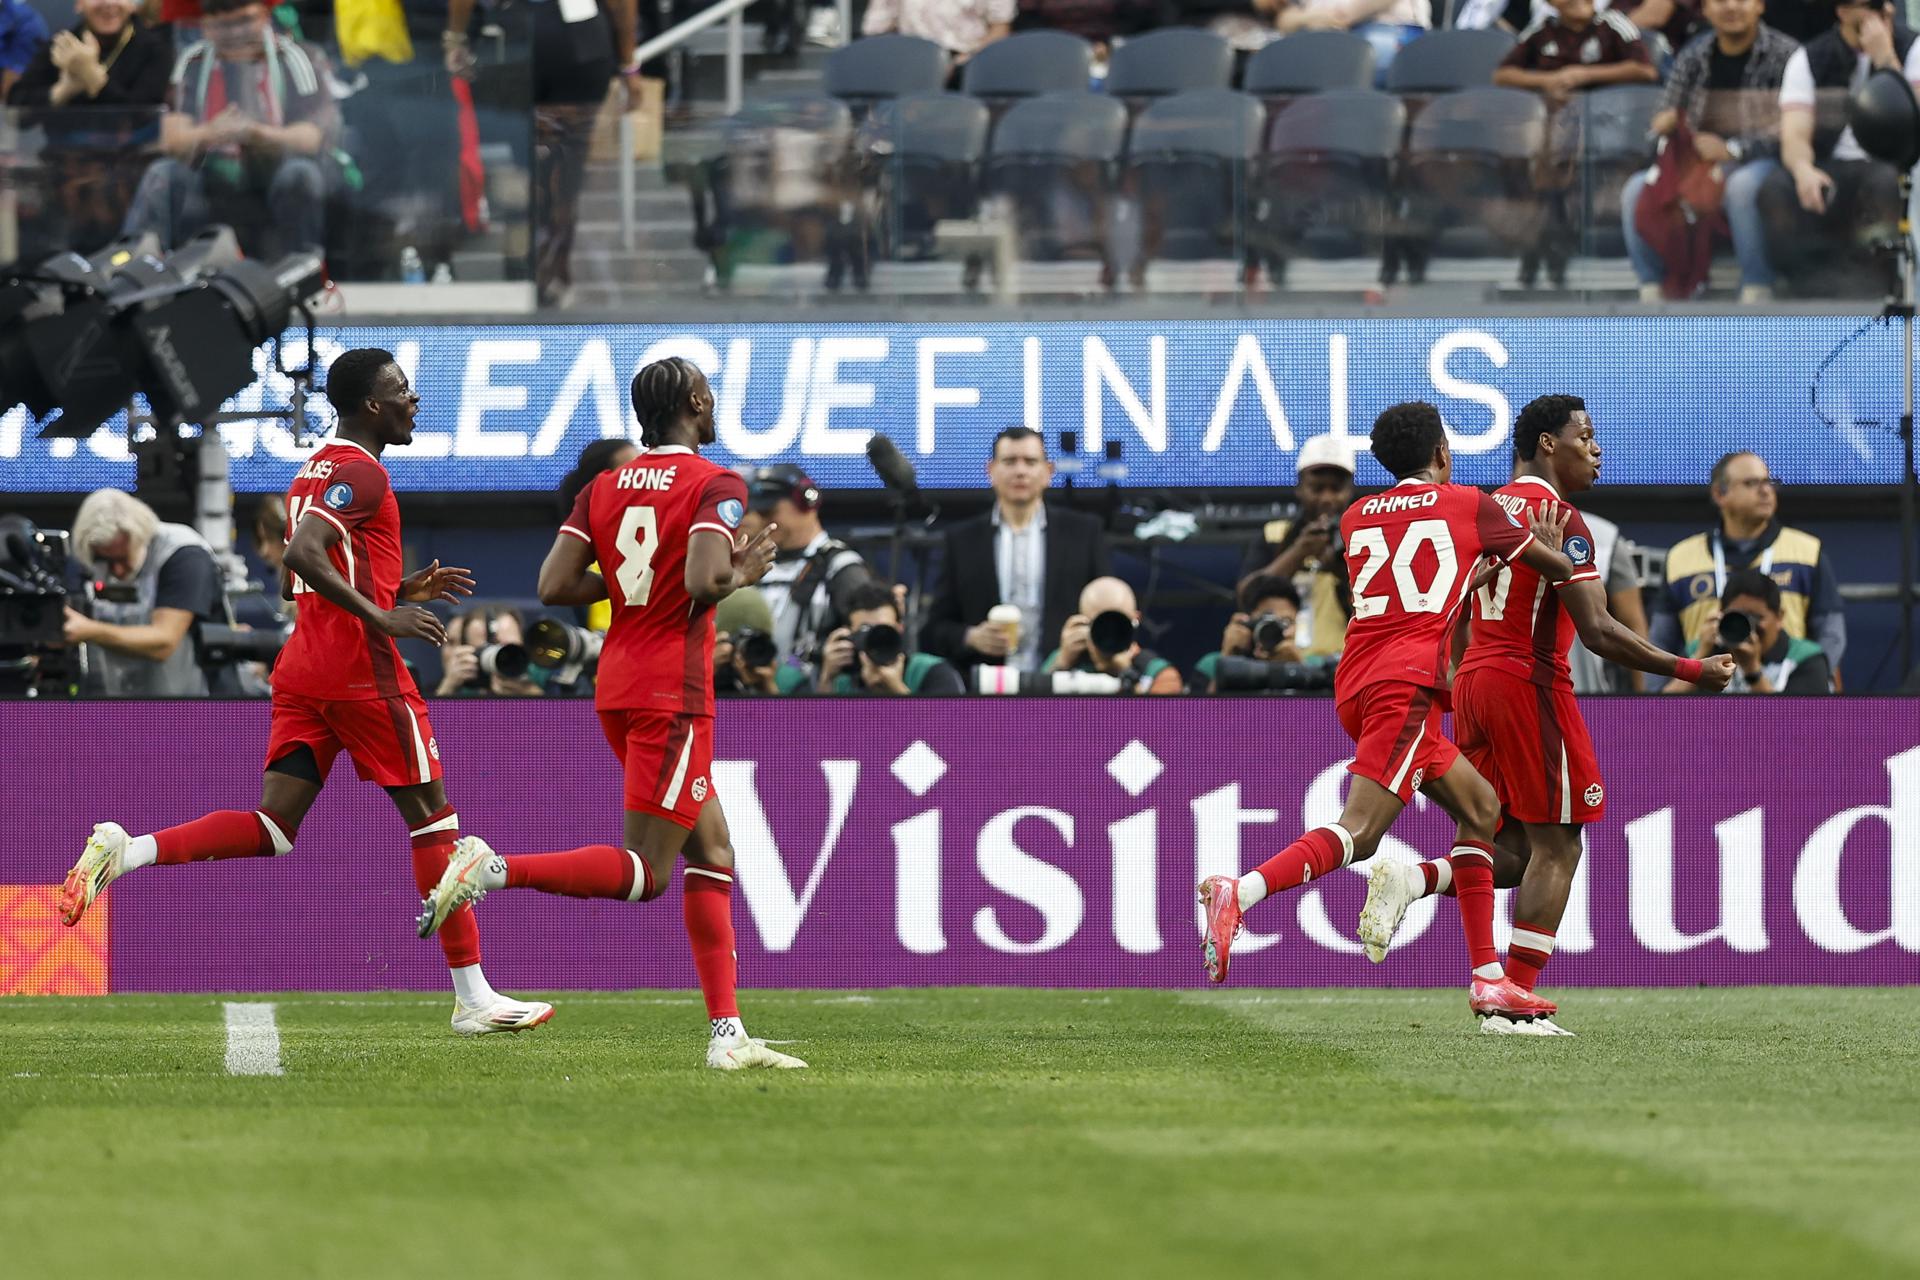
1411, 553
662, 529
339, 683
1514, 709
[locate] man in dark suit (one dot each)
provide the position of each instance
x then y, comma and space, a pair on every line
1022, 553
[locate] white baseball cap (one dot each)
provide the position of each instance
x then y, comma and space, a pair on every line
1324, 451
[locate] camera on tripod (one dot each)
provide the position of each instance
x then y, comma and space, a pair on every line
33, 608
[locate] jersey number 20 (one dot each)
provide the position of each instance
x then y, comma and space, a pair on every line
1414, 598
637, 541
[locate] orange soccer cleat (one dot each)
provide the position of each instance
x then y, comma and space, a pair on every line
1220, 899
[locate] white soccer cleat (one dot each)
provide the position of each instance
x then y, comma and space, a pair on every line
100, 864
459, 883
1497, 1025
502, 1013
741, 1051
1391, 889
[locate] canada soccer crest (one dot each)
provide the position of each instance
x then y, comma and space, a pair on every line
433, 747
1594, 796
700, 789
1419, 776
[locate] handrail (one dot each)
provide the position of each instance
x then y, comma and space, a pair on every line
727, 11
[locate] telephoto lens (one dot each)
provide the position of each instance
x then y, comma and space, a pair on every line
1270, 631
1251, 675
756, 648
1736, 629
552, 644
881, 643
508, 661
1111, 633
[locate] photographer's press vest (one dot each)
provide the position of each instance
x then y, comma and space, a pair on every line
122, 675
1697, 573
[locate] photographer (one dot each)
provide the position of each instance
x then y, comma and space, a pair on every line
813, 575
1104, 638
486, 655
1750, 626
869, 655
155, 583
1306, 550
746, 661
1261, 645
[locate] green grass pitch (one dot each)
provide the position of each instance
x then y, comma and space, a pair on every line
975, 1133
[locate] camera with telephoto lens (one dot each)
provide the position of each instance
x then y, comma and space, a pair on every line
1112, 633
755, 649
882, 644
1011, 680
1736, 628
1253, 675
508, 661
1270, 631
554, 645
221, 644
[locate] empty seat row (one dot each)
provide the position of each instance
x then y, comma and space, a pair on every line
1160, 63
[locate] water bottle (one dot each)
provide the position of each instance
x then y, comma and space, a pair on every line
412, 270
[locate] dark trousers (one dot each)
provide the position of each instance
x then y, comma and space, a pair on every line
571, 73
176, 201
1834, 253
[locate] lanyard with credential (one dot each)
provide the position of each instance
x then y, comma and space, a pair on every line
1720, 565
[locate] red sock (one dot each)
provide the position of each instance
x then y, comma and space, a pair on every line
1438, 874
1473, 885
595, 871
228, 833
432, 847
1314, 854
707, 896
1532, 948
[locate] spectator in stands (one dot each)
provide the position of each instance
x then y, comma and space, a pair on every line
961, 27
464, 657
1139, 669
1387, 25
1098, 22
159, 580
1306, 550
578, 49
252, 121
1830, 206
109, 58
1571, 50
848, 660
1766, 658
23, 37
1024, 554
1750, 535
814, 576
1266, 628
1727, 87
1672, 23
1613, 556
1800, 20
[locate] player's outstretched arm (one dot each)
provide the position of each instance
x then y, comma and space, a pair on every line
566, 577
308, 557
717, 566
1586, 603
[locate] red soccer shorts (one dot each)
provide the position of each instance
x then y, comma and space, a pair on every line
390, 739
1531, 743
668, 760
1399, 740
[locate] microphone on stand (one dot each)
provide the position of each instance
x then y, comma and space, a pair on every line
892, 466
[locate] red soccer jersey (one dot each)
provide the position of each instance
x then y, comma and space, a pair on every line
1411, 554
639, 519
1518, 625
332, 655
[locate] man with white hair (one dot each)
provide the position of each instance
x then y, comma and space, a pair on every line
155, 581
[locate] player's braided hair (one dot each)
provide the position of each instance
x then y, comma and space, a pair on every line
1543, 416
660, 395
1405, 436
352, 376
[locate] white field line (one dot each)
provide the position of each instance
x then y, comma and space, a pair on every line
253, 1041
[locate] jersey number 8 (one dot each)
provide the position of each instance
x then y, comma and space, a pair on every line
637, 541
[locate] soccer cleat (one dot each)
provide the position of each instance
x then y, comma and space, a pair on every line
736, 1053
99, 866
1220, 900
459, 884
1391, 889
1505, 998
1501, 1025
502, 1013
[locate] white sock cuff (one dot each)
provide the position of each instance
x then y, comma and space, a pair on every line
1345, 837
1490, 972
1532, 940
712, 873
1442, 875
282, 842
449, 823
639, 878
1251, 888
1469, 851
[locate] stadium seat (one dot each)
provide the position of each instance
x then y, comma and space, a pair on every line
779, 188
1054, 159
1186, 168
923, 152
1448, 61
1028, 64
1614, 137
1469, 166
1173, 60
1322, 186
881, 67
1310, 62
